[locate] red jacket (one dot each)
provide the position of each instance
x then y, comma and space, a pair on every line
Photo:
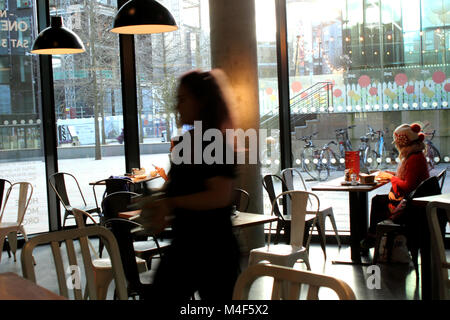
416, 171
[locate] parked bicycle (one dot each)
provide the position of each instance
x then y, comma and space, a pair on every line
344, 144
328, 158
311, 160
431, 152
372, 158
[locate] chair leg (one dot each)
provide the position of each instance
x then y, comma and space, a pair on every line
22, 231
320, 224
306, 261
415, 260
8, 249
389, 246
12, 239
2, 240
100, 247
102, 280
333, 223
306, 233
376, 253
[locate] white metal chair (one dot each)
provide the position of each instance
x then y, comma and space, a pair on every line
288, 254
295, 278
441, 267
288, 178
68, 236
102, 266
11, 229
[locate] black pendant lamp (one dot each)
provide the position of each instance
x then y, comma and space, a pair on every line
143, 17
57, 40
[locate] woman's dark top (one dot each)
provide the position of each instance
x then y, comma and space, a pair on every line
186, 179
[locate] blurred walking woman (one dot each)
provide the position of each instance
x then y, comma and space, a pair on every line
204, 255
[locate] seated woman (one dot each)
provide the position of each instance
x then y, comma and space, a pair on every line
411, 171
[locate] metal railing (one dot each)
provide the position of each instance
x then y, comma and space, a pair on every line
310, 101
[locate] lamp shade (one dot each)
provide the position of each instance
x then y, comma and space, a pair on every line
57, 40
143, 17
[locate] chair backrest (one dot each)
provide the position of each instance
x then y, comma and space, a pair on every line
4, 186
267, 183
58, 183
68, 236
80, 217
288, 178
111, 185
437, 222
122, 230
428, 187
116, 202
25, 193
241, 199
441, 177
299, 200
415, 219
295, 278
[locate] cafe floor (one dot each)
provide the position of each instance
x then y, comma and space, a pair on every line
397, 281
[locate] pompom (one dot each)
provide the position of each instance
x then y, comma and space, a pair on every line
416, 127
421, 136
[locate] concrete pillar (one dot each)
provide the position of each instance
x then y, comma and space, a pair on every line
234, 50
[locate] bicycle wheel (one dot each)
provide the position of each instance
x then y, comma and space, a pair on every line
433, 155
323, 172
370, 159
334, 161
436, 155
308, 164
381, 155
323, 165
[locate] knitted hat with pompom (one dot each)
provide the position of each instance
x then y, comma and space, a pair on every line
406, 134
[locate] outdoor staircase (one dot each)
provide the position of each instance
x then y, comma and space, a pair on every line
303, 108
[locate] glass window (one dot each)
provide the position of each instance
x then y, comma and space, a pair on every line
268, 93
370, 76
88, 99
435, 22
20, 114
160, 60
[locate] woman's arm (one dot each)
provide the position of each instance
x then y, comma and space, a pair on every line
415, 166
218, 194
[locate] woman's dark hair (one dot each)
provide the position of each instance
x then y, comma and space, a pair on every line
204, 86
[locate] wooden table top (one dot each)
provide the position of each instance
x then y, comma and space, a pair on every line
14, 287
241, 220
335, 185
246, 219
423, 201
